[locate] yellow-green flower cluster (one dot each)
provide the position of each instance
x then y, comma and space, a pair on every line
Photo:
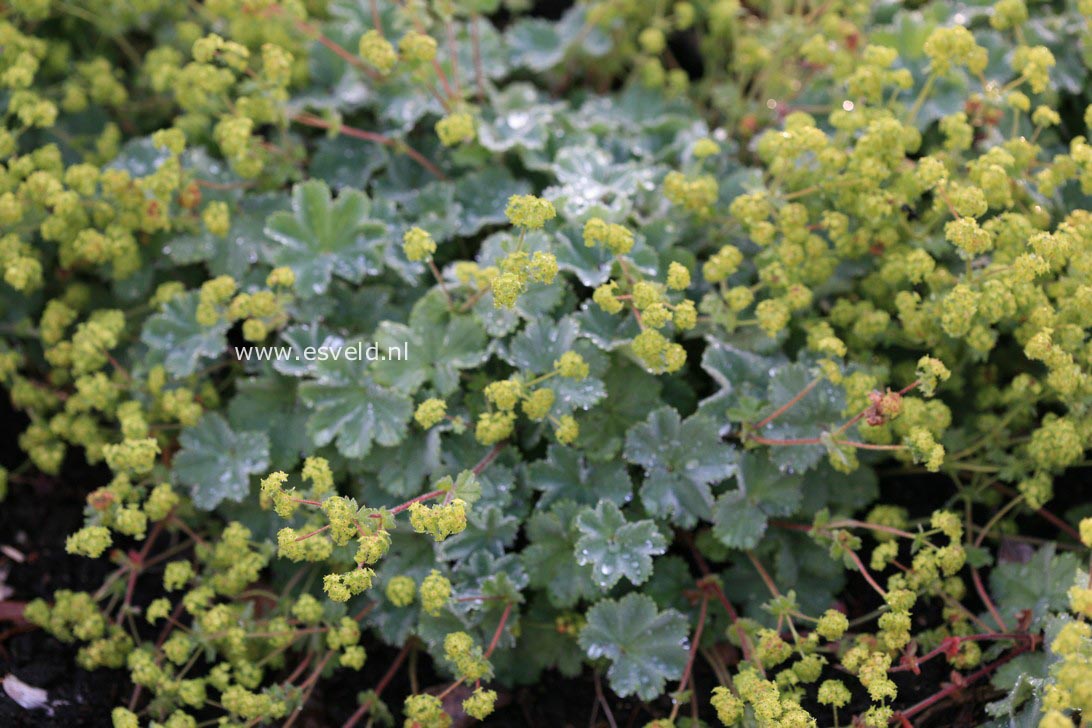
657, 353
697, 194
953, 47
439, 521
434, 591
426, 711
430, 412
460, 651
340, 587
377, 51
418, 244
617, 238
456, 128
480, 703
401, 590
417, 47
529, 211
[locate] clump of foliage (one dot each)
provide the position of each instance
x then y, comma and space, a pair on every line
662, 343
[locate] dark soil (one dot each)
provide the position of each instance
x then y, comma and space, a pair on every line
34, 522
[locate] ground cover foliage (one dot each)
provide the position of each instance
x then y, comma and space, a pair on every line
747, 372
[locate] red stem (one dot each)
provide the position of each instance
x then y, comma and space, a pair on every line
453, 56
387, 677
765, 575
985, 597
489, 458
500, 628
789, 441
370, 136
815, 440
868, 445
788, 405
693, 652
953, 687
709, 583
1043, 512
316, 532
136, 565
865, 573
475, 39
299, 669
952, 643
418, 499
308, 686
176, 521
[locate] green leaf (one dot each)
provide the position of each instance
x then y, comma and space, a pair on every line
646, 647
548, 557
269, 404
819, 410
346, 162
634, 111
517, 118
243, 245
790, 557
741, 515
441, 344
183, 344
589, 177
217, 462
591, 265
534, 43
540, 647
1026, 686
139, 157
321, 238
352, 411
671, 584
482, 195
606, 331
1040, 585
541, 343
300, 338
615, 548
741, 375
824, 487
631, 394
489, 529
567, 474
680, 458
738, 523
401, 470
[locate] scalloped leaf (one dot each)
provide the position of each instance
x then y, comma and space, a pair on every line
614, 547
741, 515
681, 459
352, 411
322, 237
646, 647
567, 474
548, 557
183, 344
217, 462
